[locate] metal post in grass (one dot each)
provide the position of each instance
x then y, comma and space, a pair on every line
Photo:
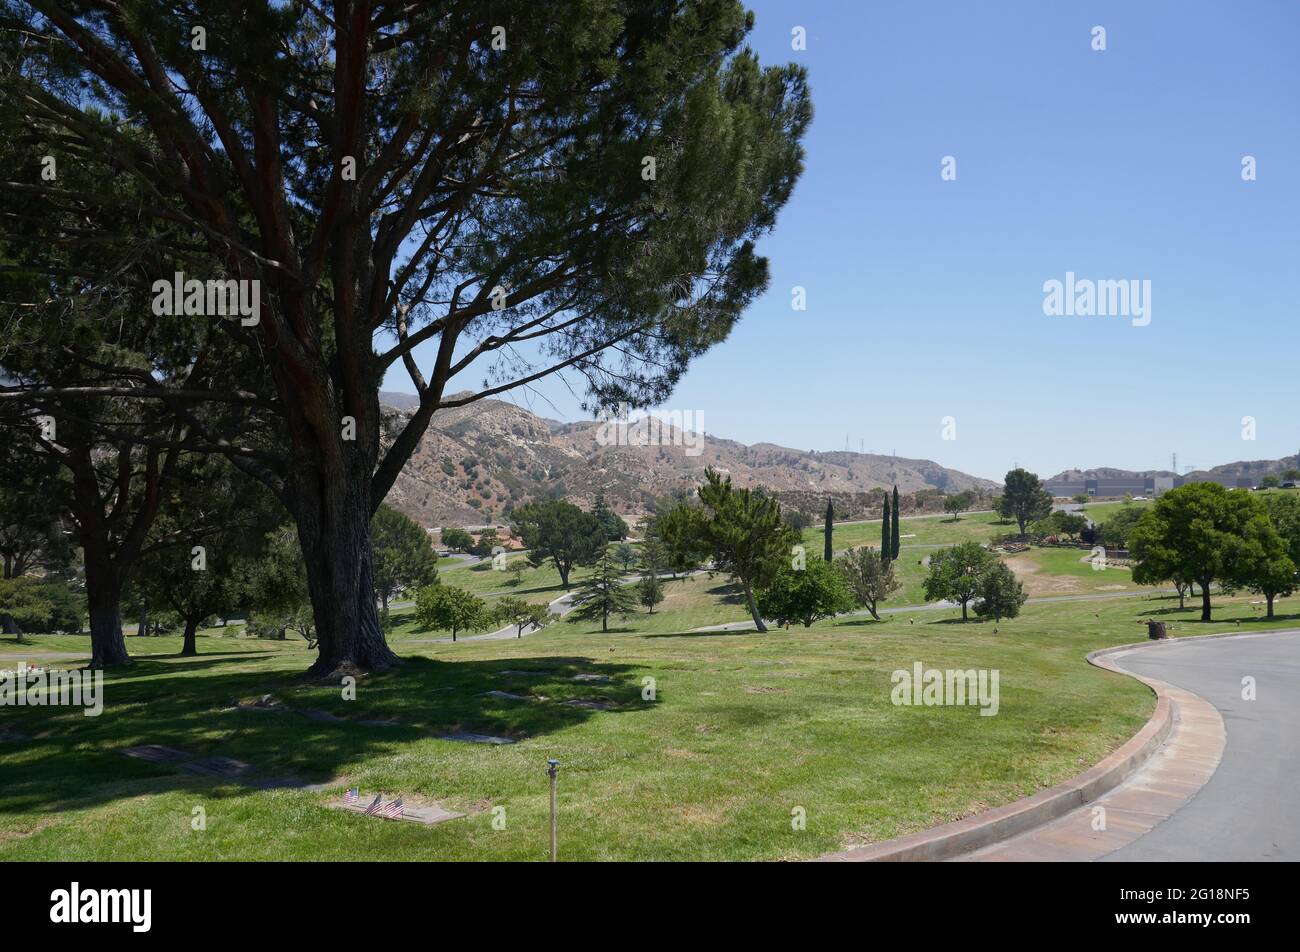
552, 771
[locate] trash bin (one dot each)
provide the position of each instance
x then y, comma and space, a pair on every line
1156, 630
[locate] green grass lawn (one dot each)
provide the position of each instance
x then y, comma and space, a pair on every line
743, 729
536, 584
1063, 571
1101, 511
932, 530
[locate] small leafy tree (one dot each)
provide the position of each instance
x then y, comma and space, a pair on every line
1000, 594
23, 604
275, 589
559, 531
956, 573
486, 542
1082, 499
998, 505
1284, 512
1116, 530
805, 595
448, 608
681, 533
795, 519
404, 558
625, 554
650, 591
1204, 533
870, 578
744, 532
603, 594
1273, 575
167, 577
957, 503
1024, 498
1067, 524
512, 610
516, 568
613, 524
650, 588
457, 540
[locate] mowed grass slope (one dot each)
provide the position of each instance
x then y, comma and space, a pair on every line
743, 729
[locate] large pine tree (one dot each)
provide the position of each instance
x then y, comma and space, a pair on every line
587, 180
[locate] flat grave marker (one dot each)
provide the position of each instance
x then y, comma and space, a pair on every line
426, 814
156, 753
469, 737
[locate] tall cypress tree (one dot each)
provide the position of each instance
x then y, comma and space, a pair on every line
893, 534
886, 546
830, 516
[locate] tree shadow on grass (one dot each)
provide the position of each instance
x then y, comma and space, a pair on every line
1261, 618
73, 761
728, 593
863, 621
177, 662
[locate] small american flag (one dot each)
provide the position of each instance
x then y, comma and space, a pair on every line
391, 810
351, 796
370, 810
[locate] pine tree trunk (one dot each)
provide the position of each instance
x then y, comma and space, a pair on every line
188, 646
753, 608
333, 522
104, 597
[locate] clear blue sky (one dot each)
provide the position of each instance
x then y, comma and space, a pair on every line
925, 297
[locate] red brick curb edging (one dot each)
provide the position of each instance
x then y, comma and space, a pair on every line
992, 826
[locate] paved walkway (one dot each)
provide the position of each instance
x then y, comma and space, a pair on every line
1249, 810
1222, 785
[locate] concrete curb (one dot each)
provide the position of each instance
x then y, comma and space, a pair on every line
985, 829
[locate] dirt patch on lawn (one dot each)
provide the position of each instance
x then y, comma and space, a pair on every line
1036, 583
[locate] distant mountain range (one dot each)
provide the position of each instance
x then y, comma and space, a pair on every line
1256, 468
476, 460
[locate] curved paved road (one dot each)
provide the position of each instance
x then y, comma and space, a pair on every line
1249, 809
